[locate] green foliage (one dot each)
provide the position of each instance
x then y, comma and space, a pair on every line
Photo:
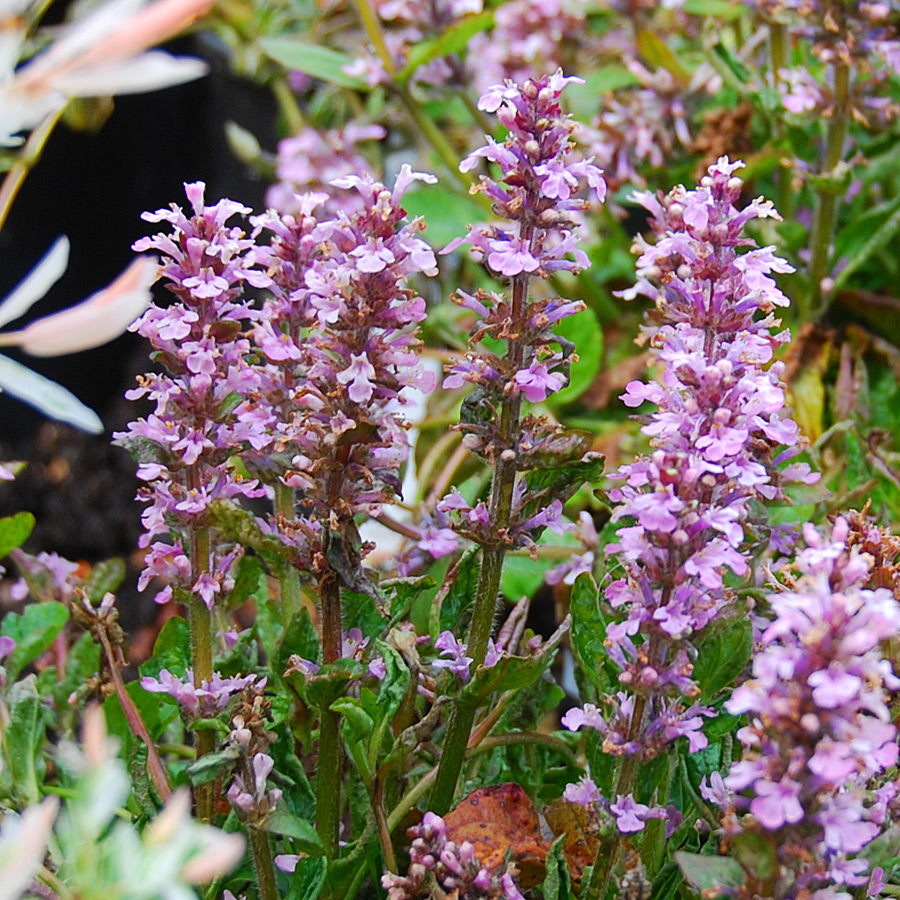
34, 630
14, 531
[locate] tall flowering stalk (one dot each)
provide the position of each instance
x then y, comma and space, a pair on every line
720, 419
341, 339
200, 420
819, 730
536, 195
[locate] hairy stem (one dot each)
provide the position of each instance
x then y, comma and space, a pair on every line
263, 863
290, 579
826, 210
328, 792
201, 660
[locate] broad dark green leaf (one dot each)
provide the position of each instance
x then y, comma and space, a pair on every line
172, 649
308, 879
583, 330
34, 630
293, 52
589, 631
447, 613
302, 832
724, 651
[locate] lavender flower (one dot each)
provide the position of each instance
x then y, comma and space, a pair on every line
820, 728
249, 793
203, 700
721, 418
201, 419
313, 159
454, 866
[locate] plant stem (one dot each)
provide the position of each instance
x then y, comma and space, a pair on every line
328, 791
201, 659
826, 211
500, 509
263, 863
290, 580
155, 767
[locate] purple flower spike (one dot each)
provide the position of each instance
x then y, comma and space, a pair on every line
819, 727
719, 433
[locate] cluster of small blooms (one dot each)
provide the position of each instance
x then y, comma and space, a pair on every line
475, 522
630, 816
538, 193
454, 866
410, 22
820, 728
249, 793
201, 418
638, 125
341, 338
313, 159
528, 36
721, 417
204, 700
56, 576
864, 36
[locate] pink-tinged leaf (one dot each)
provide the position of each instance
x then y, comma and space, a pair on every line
38, 281
97, 320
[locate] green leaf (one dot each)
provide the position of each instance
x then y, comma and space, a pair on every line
589, 631
285, 823
758, 853
583, 330
23, 737
448, 212
879, 240
300, 639
157, 710
172, 649
213, 765
239, 525
708, 873
724, 651
106, 577
447, 612
358, 610
667, 882
659, 56
320, 62
33, 631
360, 722
720, 9
557, 885
308, 879
511, 673
454, 39
563, 480
14, 531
